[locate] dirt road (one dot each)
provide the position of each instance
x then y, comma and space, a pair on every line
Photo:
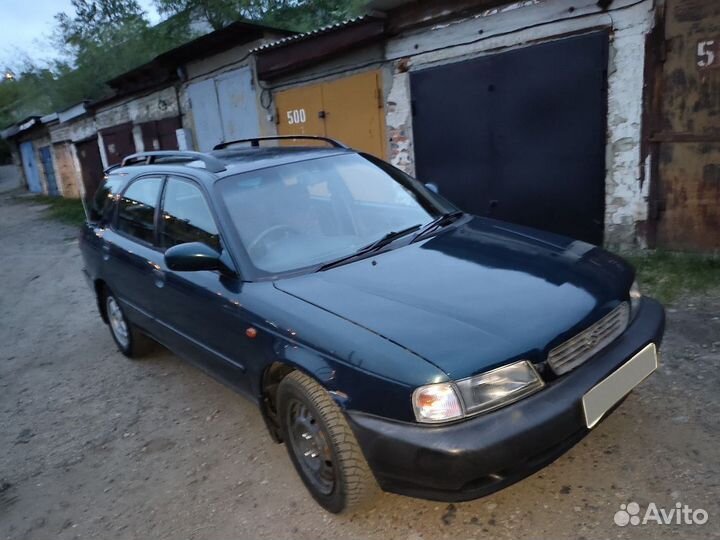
93, 445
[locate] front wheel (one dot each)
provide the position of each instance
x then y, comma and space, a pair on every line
322, 446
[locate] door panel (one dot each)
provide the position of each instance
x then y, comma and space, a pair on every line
131, 263
347, 109
160, 134
238, 109
50, 179
88, 154
118, 142
32, 176
224, 109
520, 139
206, 114
130, 270
66, 170
686, 138
299, 111
202, 308
353, 112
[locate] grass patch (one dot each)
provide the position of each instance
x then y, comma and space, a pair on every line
665, 275
68, 211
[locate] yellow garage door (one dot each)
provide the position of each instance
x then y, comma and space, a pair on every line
347, 109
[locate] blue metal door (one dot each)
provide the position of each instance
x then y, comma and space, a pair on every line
46, 157
27, 152
224, 108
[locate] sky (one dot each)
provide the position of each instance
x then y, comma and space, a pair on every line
26, 24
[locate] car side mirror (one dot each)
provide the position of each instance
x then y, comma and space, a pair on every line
194, 257
433, 187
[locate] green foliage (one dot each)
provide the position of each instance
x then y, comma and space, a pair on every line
299, 15
666, 276
102, 39
105, 38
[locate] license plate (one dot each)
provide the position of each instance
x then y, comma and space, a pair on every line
601, 398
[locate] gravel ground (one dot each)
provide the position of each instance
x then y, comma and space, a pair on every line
98, 446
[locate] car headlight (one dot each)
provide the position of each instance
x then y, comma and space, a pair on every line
635, 297
441, 402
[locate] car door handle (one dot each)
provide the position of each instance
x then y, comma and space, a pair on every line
159, 276
105, 251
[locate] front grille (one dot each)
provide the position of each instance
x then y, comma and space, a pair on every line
590, 341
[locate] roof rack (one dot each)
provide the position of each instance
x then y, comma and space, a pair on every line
212, 164
255, 141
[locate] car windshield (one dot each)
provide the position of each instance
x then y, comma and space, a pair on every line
310, 212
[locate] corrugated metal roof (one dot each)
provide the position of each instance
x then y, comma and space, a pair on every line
319, 31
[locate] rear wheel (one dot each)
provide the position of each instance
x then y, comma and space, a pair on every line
322, 446
129, 339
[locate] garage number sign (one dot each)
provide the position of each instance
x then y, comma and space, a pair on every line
296, 116
708, 53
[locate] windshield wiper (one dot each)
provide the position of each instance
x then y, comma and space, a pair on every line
374, 246
440, 221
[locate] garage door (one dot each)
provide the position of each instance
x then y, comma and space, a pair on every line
88, 153
687, 136
519, 136
347, 109
160, 134
119, 143
224, 108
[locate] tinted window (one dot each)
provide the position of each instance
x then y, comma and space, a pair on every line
136, 209
186, 216
102, 203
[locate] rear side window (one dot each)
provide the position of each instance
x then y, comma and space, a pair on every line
136, 210
186, 216
100, 209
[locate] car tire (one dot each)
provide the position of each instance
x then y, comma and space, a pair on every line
314, 428
128, 337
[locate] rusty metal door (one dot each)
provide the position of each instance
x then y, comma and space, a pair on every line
118, 142
88, 153
519, 136
348, 109
685, 133
160, 134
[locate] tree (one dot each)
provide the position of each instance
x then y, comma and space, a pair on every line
104, 38
299, 15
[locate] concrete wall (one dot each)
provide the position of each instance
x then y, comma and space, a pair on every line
525, 23
138, 109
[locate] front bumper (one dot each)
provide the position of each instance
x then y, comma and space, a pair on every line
480, 455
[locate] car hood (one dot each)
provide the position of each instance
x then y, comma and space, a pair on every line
476, 296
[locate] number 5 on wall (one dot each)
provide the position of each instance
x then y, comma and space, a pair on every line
706, 53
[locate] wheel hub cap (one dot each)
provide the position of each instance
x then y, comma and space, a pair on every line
310, 446
117, 322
